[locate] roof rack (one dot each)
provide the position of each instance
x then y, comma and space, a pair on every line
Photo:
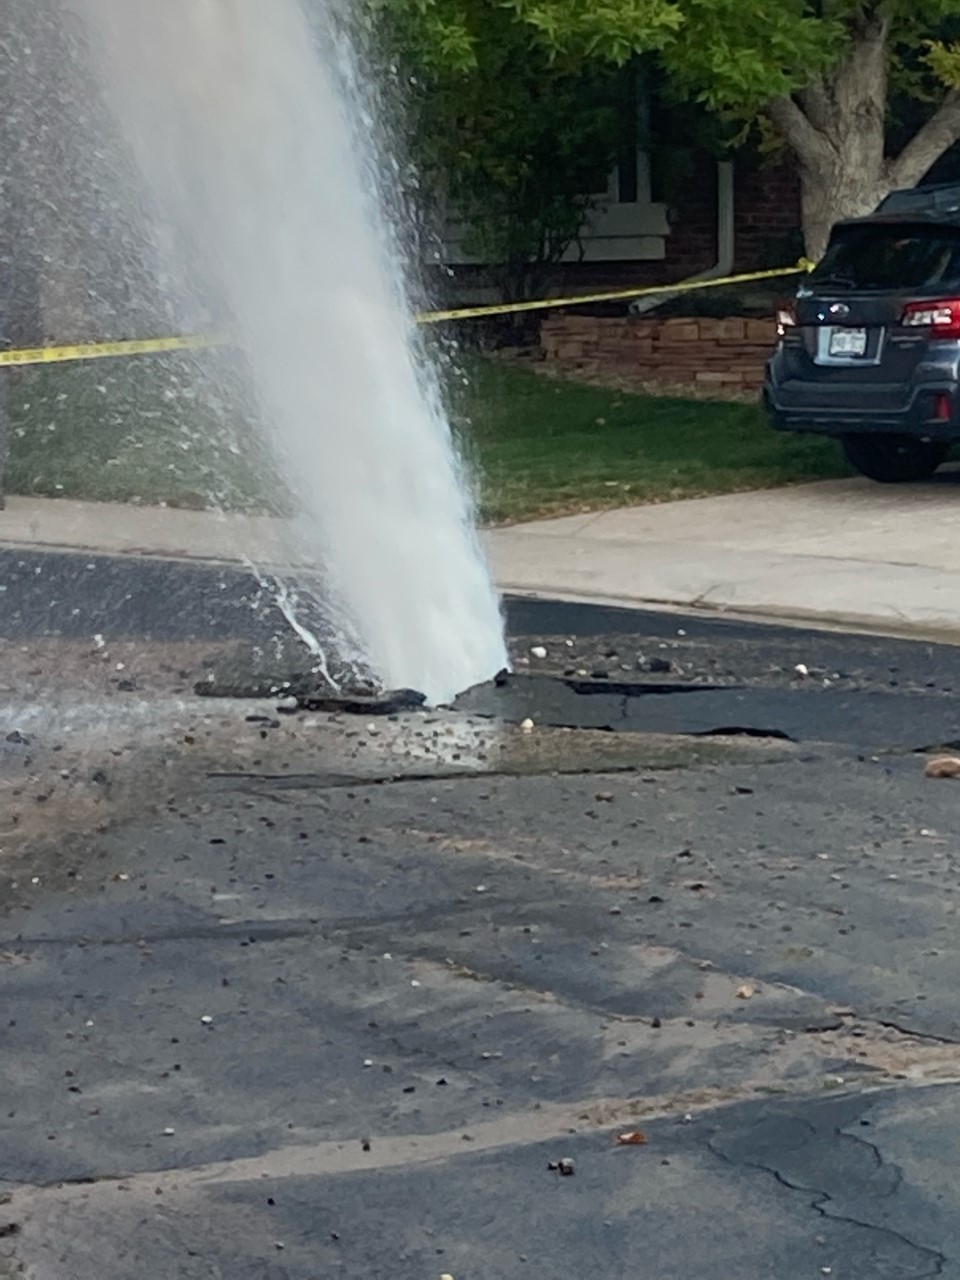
943, 199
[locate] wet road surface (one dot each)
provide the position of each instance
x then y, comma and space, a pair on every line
298, 995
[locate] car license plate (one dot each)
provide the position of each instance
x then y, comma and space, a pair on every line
848, 342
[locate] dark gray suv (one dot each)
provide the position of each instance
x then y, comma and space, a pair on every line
870, 353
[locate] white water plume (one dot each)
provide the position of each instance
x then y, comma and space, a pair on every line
247, 130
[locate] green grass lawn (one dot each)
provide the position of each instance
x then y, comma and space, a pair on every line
155, 430
145, 429
544, 447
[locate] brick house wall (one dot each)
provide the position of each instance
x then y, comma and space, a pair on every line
767, 195
768, 217
767, 225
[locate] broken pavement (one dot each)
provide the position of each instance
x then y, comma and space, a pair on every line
302, 995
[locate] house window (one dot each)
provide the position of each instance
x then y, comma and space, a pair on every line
626, 224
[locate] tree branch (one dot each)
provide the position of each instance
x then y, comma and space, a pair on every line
927, 145
797, 130
816, 105
872, 17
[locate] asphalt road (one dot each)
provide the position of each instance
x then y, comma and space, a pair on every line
291, 1007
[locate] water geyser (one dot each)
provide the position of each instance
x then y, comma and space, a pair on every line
253, 140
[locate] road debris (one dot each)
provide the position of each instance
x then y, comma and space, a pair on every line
943, 767
635, 1138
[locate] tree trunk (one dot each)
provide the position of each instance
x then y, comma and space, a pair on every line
836, 127
837, 130
844, 187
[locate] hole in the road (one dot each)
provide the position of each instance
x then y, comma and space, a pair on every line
306, 693
558, 702
618, 706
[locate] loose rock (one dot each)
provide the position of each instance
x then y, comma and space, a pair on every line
943, 767
635, 1138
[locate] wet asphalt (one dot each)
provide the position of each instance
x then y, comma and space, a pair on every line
268, 1017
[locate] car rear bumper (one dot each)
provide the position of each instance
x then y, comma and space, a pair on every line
929, 410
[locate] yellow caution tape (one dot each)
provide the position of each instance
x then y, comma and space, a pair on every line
621, 295
107, 350
204, 341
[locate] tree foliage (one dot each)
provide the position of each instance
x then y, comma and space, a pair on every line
446, 34
509, 133
527, 149
821, 75
733, 54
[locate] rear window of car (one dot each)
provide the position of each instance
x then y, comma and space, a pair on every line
892, 257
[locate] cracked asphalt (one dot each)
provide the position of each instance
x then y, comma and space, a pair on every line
296, 996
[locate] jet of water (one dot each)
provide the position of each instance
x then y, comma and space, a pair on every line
255, 146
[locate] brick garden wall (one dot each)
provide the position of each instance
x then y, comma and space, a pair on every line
719, 356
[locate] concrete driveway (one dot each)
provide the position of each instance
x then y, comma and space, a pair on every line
849, 552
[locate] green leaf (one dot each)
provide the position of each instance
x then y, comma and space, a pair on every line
944, 61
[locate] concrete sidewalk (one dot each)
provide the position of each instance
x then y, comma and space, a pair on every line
841, 552
115, 528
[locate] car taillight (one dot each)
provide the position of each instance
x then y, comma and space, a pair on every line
786, 319
942, 318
